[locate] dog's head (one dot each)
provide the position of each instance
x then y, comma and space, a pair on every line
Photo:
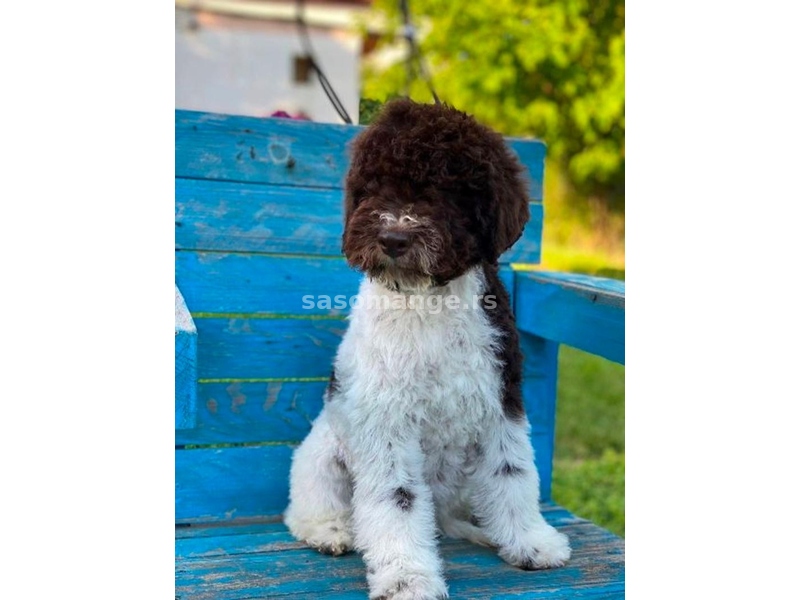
430, 193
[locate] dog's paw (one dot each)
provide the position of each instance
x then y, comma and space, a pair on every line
410, 587
335, 544
329, 536
543, 548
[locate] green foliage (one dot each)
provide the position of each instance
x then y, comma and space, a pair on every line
368, 110
548, 68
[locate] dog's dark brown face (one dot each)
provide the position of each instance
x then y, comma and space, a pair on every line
430, 193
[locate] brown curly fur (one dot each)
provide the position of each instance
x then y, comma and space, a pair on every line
414, 152
465, 190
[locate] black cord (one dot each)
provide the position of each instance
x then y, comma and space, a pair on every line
305, 40
414, 54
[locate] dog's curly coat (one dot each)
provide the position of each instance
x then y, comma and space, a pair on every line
423, 423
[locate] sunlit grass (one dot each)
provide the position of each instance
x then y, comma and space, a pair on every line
589, 469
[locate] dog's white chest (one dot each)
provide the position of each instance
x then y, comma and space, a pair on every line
426, 364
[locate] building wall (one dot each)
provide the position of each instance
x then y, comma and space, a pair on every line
246, 67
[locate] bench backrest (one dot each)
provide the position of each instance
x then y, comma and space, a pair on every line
258, 227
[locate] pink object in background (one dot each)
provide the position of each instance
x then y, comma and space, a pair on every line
282, 114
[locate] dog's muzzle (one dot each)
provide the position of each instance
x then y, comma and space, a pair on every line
395, 243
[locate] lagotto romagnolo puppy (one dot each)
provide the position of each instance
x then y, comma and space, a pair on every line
423, 428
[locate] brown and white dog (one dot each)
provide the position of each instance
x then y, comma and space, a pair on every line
423, 428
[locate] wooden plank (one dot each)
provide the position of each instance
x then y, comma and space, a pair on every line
234, 216
555, 514
251, 481
528, 249
232, 283
221, 215
245, 348
261, 150
217, 484
248, 412
262, 285
287, 152
245, 412
581, 311
265, 561
531, 154
539, 377
185, 365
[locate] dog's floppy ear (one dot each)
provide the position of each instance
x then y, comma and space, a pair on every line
509, 201
356, 180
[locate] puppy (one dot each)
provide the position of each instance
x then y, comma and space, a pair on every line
423, 427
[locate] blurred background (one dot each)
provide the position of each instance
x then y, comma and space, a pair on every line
551, 69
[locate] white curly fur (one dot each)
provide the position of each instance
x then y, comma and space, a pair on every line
413, 439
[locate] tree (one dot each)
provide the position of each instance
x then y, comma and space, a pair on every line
554, 69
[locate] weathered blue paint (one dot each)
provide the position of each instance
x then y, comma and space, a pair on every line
258, 226
233, 283
287, 152
282, 219
185, 365
581, 311
263, 560
247, 412
220, 484
245, 348
539, 393
217, 484
271, 151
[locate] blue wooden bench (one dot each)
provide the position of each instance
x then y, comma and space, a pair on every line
258, 226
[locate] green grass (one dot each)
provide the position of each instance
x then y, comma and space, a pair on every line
589, 469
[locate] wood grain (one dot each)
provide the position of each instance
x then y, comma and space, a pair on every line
217, 483
286, 152
281, 219
263, 560
581, 311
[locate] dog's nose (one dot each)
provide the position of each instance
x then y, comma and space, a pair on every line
394, 243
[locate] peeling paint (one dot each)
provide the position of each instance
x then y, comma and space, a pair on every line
237, 397
273, 391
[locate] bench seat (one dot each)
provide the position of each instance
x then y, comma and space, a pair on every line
258, 226
260, 559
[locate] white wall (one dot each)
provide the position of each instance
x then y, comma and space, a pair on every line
245, 66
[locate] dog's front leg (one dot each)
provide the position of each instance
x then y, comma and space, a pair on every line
506, 500
394, 520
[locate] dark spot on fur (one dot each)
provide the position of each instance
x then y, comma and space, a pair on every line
340, 463
472, 456
333, 386
474, 520
509, 470
500, 316
404, 499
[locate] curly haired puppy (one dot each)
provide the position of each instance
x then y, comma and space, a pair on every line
423, 426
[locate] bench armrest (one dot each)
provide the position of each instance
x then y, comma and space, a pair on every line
185, 365
582, 311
